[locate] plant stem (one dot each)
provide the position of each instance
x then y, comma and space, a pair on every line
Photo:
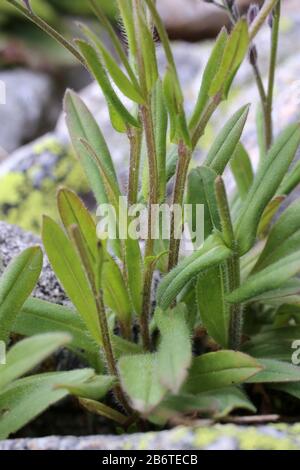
135, 139
261, 17
236, 311
184, 158
232, 265
49, 30
148, 126
272, 70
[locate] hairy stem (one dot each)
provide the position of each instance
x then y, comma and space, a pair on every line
48, 29
261, 18
184, 158
272, 70
135, 139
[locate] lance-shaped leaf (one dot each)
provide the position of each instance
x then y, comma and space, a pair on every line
263, 188
290, 181
210, 71
120, 117
67, 266
139, 379
27, 398
94, 389
276, 371
161, 128
148, 50
268, 214
210, 283
214, 311
275, 343
129, 89
234, 53
213, 403
268, 279
115, 291
175, 349
16, 284
283, 238
134, 267
126, 10
105, 411
38, 317
227, 140
242, 170
220, 369
28, 353
82, 125
212, 253
201, 190
73, 212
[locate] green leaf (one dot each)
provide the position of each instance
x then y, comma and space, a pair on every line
148, 50
82, 125
275, 343
28, 353
129, 89
67, 266
161, 128
210, 71
25, 399
276, 371
38, 316
268, 279
290, 181
234, 53
214, 311
94, 389
139, 380
73, 212
126, 10
220, 369
175, 350
115, 291
134, 267
242, 171
16, 284
105, 411
268, 214
226, 142
283, 239
201, 190
291, 388
215, 404
212, 253
120, 117
263, 188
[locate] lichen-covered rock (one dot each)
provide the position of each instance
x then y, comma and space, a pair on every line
30, 178
13, 240
216, 437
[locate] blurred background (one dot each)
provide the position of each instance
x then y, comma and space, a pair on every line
34, 72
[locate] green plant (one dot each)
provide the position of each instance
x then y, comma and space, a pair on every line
24, 398
245, 269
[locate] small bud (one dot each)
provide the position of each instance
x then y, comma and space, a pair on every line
252, 13
27, 5
253, 55
271, 20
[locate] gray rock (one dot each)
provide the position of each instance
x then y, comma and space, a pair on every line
28, 108
215, 437
194, 19
13, 240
